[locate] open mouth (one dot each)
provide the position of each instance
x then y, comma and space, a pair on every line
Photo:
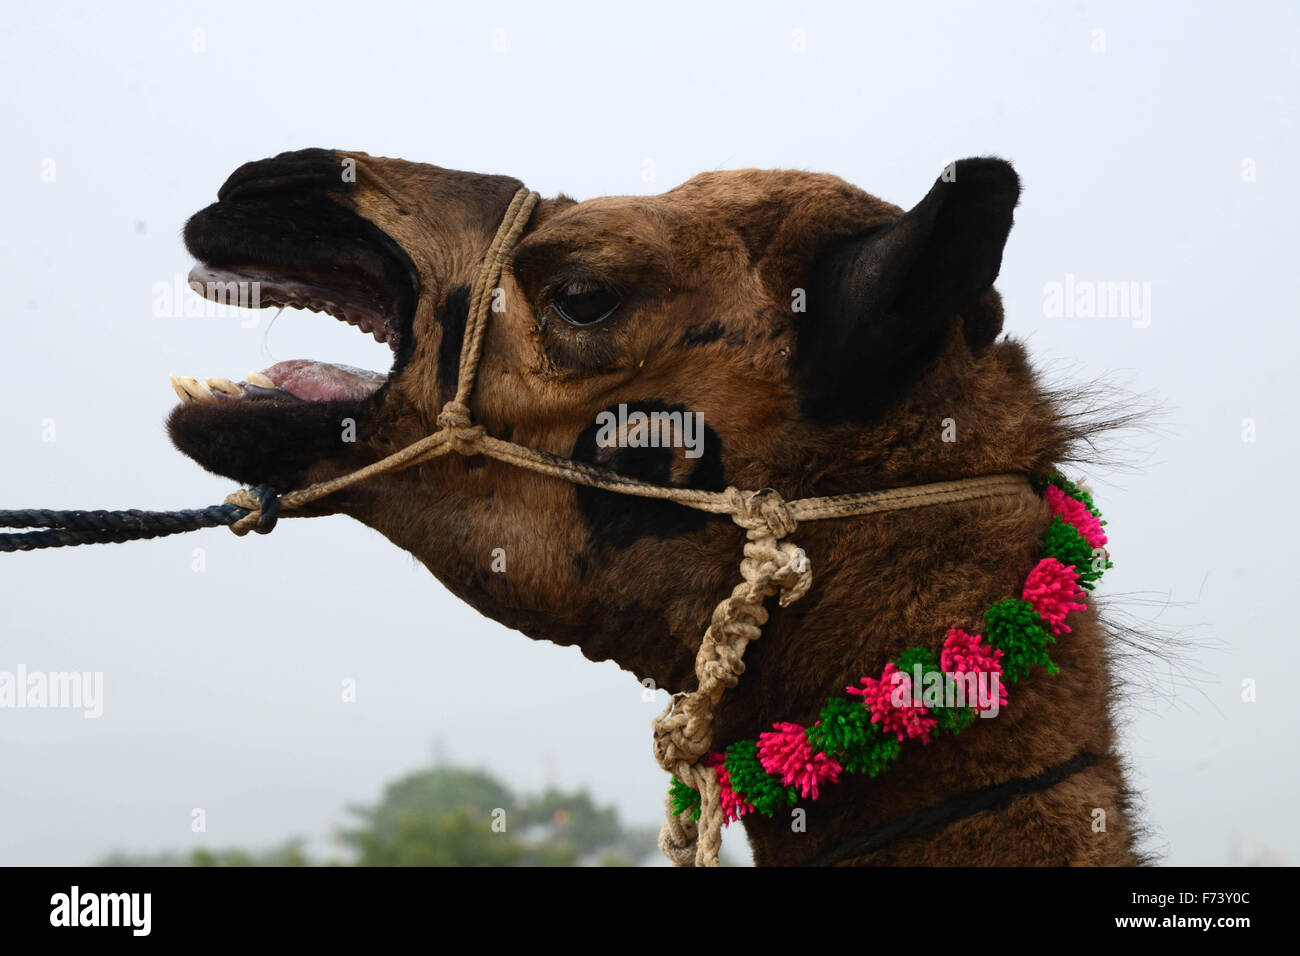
300, 379
284, 233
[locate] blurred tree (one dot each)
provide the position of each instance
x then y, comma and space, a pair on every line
589, 828
287, 854
428, 794
445, 838
453, 816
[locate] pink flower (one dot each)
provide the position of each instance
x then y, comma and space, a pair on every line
734, 806
968, 654
1053, 589
1077, 513
786, 752
890, 702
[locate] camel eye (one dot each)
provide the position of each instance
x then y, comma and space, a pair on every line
581, 304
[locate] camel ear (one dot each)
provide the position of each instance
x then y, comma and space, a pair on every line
881, 302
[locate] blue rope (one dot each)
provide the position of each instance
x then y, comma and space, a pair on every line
62, 529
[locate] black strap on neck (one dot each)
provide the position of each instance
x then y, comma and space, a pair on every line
951, 810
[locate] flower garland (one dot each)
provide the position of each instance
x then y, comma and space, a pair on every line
865, 732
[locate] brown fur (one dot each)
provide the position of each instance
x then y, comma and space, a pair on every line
724, 251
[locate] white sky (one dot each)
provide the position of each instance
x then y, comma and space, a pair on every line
222, 687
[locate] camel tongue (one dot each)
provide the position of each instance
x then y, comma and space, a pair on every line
322, 381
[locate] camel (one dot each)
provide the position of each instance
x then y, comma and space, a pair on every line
812, 339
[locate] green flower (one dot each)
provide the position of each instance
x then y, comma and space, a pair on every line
754, 784
1016, 629
845, 732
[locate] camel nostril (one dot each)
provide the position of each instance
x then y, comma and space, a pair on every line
304, 170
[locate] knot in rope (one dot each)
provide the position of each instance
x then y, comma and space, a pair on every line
681, 733
462, 433
684, 732
681, 739
454, 415
688, 842
678, 837
263, 506
776, 567
761, 513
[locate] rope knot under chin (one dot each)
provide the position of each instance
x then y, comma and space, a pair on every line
462, 433
454, 415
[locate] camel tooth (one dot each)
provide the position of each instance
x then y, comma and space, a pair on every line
180, 392
224, 385
260, 380
197, 389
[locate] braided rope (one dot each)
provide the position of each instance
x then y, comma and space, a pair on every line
61, 529
770, 566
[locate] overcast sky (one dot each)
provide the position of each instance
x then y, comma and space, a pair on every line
1160, 150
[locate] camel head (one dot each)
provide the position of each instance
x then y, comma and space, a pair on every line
803, 329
